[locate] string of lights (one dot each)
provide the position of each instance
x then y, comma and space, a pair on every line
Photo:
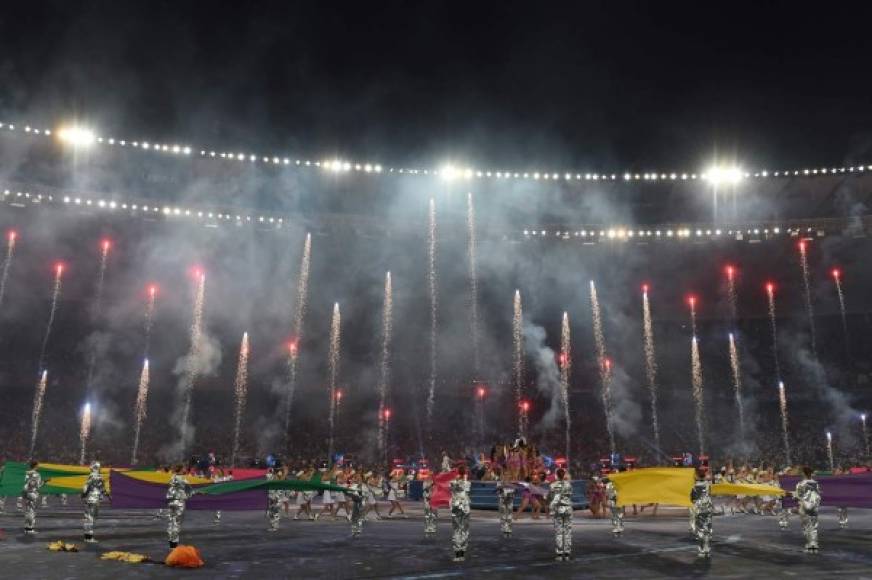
211, 217
717, 175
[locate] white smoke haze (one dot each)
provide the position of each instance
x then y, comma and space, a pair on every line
547, 375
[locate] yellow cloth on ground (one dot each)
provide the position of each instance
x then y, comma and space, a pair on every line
128, 557
748, 489
663, 485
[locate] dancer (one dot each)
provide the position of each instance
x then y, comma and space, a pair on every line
703, 510
617, 513
177, 496
304, 498
30, 497
396, 479
356, 494
808, 494
506, 500
93, 492
430, 514
460, 514
370, 485
561, 511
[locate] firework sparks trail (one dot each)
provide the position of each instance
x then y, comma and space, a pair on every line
698, 395
36, 415
241, 393
473, 283
865, 433
299, 318
333, 361
691, 300
385, 375
732, 296
770, 293
150, 304
785, 425
7, 263
603, 363
565, 370
735, 370
193, 360
96, 310
140, 410
56, 292
85, 432
518, 358
434, 306
830, 456
809, 307
837, 278
650, 362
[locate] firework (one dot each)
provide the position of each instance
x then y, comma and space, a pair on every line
518, 357
691, 301
770, 293
140, 409
149, 316
605, 365
809, 307
523, 418
56, 292
96, 309
85, 432
384, 381
36, 415
865, 433
7, 263
333, 361
480, 393
565, 370
241, 392
732, 297
192, 368
830, 457
434, 305
473, 282
785, 426
698, 394
736, 371
299, 317
650, 362
837, 278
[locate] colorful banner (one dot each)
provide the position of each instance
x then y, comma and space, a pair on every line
441, 496
662, 485
839, 490
134, 493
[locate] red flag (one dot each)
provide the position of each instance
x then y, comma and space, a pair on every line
441, 491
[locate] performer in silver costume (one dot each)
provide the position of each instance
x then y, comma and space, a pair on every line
274, 496
355, 493
843, 517
506, 500
617, 513
177, 496
460, 514
30, 497
560, 504
808, 495
93, 493
430, 514
703, 510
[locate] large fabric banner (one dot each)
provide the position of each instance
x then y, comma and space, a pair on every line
672, 486
840, 490
133, 493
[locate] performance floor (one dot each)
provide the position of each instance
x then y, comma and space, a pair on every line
744, 547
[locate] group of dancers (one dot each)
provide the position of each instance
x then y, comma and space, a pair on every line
359, 498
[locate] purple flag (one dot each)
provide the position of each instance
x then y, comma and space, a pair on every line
131, 493
839, 490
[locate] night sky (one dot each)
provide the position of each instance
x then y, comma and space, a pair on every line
593, 85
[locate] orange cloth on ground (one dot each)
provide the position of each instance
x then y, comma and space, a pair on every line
184, 557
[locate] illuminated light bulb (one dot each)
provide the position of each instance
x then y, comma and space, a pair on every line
76, 136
